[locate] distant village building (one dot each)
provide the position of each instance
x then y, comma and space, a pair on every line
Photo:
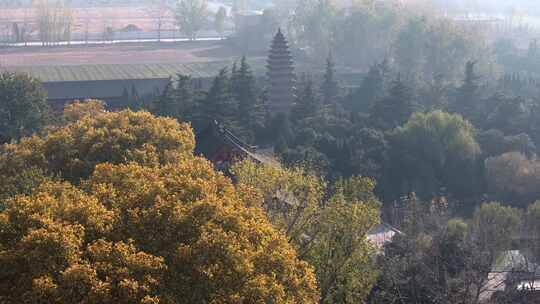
281, 78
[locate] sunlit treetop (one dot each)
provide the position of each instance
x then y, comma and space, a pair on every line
132, 216
72, 151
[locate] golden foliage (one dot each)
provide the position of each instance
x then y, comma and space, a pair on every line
72, 151
327, 226
291, 197
78, 109
171, 230
341, 253
513, 173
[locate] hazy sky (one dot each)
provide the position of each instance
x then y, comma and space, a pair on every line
501, 6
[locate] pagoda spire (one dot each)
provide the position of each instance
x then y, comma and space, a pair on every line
281, 78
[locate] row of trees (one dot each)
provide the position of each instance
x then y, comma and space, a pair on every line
233, 99
190, 16
55, 20
427, 47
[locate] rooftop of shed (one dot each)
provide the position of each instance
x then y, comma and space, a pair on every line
99, 72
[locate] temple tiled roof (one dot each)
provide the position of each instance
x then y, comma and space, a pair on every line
216, 135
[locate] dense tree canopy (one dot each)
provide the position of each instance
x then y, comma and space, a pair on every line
495, 226
190, 16
71, 152
78, 109
394, 109
176, 100
327, 226
134, 217
533, 229
450, 260
433, 150
176, 233
513, 174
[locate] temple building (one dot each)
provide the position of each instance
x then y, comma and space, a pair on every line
223, 148
281, 78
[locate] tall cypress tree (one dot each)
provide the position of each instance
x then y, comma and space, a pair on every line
136, 103
234, 77
165, 103
467, 99
185, 97
125, 99
219, 103
371, 89
250, 112
394, 109
177, 100
243, 88
307, 104
329, 87
534, 123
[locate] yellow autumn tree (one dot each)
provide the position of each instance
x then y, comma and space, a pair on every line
78, 109
163, 228
290, 197
71, 152
327, 225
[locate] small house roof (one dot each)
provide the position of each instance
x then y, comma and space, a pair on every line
381, 234
508, 262
514, 260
